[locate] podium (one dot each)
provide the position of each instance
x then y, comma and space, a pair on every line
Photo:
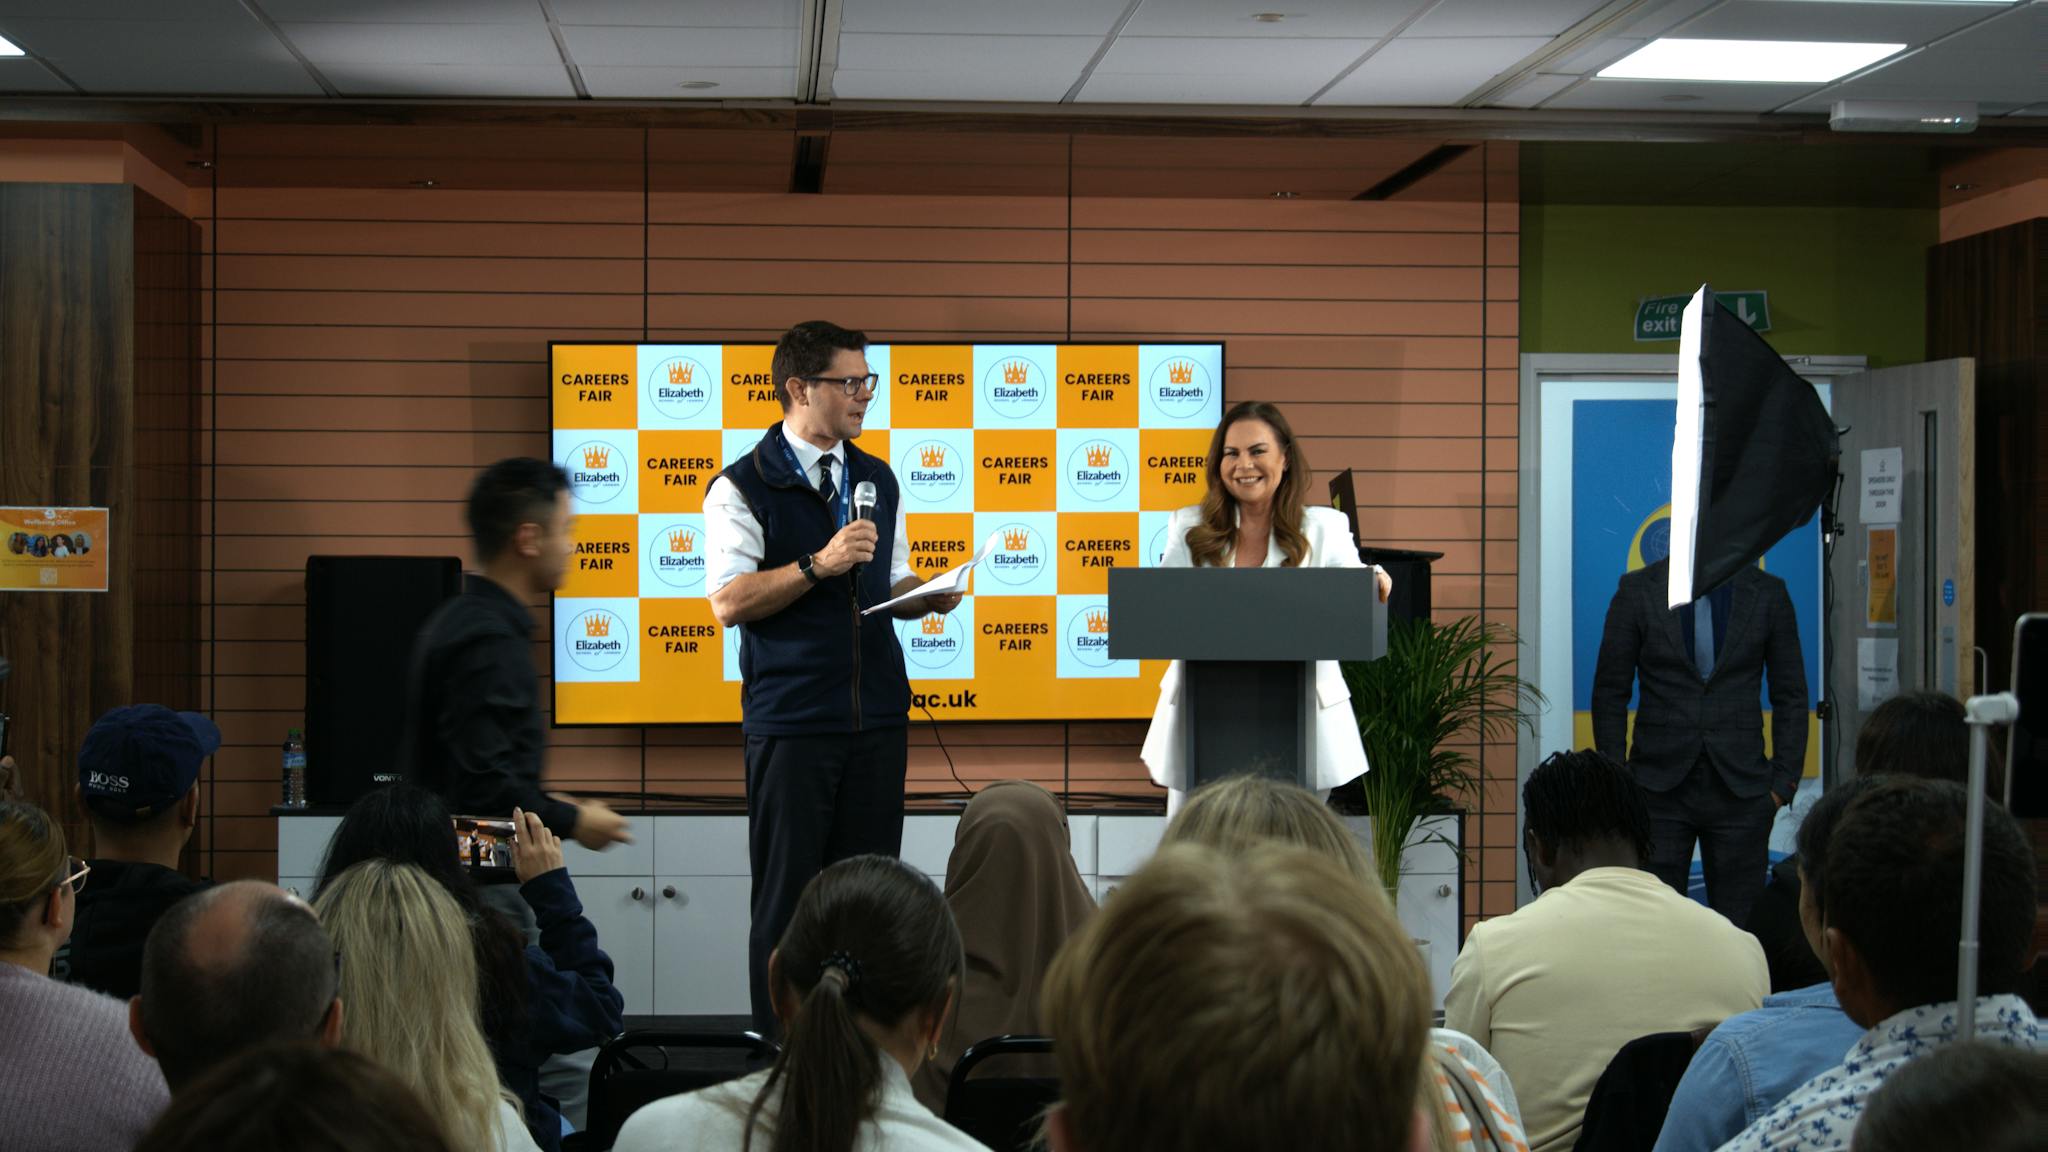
1249, 639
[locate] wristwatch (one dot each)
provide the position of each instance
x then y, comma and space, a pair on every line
803, 565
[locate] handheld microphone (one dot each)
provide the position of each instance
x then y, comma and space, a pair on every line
863, 509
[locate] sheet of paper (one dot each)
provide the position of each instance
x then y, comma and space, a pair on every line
951, 580
1884, 470
1877, 671
1882, 549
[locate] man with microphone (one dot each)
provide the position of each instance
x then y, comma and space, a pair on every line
802, 533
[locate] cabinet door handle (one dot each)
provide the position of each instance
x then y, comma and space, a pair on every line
1443, 891
669, 890
639, 893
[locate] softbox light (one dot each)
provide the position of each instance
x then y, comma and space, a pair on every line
1754, 455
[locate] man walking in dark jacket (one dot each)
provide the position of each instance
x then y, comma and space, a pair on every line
474, 731
1698, 752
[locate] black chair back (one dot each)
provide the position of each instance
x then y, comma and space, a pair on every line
1002, 1112
638, 1067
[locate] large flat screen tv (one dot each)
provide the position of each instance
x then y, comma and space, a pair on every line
1073, 456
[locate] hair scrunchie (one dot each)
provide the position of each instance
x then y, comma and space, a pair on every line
848, 968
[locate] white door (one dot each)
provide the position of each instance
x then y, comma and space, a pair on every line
622, 909
700, 941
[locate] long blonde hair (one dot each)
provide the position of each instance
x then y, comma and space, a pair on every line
1210, 539
32, 860
409, 987
1234, 814
1216, 1003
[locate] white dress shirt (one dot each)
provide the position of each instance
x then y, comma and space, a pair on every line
733, 542
715, 1120
1340, 751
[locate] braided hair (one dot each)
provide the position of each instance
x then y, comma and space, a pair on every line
1574, 799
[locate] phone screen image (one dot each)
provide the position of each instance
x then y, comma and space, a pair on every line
484, 844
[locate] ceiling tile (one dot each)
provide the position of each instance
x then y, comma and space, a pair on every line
450, 80
385, 45
1496, 18
619, 46
1649, 96
1042, 68
1416, 70
1879, 23
235, 38
1998, 61
403, 11
681, 13
1306, 19
184, 76
1534, 91
1204, 70
983, 17
18, 74
12, 10
609, 83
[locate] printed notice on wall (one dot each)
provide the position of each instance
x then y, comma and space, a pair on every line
1882, 558
54, 549
1884, 475
1877, 671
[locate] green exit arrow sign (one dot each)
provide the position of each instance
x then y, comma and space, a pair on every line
1658, 318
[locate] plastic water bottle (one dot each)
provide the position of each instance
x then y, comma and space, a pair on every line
295, 769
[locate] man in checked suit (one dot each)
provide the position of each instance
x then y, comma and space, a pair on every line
1699, 747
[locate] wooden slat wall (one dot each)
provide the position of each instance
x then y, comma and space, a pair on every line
374, 347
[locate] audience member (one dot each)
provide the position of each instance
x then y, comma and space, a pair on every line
1914, 734
1016, 895
1892, 909
299, 1096
408, 977
1983, 1097
230, 968
1231, 1004
1464, 1088
862, 981
138, 781
1606, 953
555, 997
69, 1076
1752, 1061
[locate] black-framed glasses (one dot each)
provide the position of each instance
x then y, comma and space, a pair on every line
854, 385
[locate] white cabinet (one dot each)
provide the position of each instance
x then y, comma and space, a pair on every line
700, 945
672, 908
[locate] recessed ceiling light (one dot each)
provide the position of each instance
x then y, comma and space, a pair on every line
9, 48
1268, 17
1747, 61
698, 85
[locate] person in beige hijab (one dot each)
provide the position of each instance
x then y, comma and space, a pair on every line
1017, 896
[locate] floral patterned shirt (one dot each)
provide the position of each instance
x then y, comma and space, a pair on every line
1822, 1115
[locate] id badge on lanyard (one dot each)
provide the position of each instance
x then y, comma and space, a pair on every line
842, 509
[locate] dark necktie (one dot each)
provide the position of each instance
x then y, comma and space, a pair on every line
825, 486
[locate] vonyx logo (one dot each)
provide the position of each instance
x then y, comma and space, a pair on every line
597, 640
1087, 636
1098, 471
678, 562
679, 387
1014, 387
927, 473
936, 642
1180, 387
1021, 558
591, 472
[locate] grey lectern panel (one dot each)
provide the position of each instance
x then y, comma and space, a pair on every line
1245, 614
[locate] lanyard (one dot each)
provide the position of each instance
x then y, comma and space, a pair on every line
845, 509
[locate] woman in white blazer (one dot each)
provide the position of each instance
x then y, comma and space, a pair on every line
1252, 516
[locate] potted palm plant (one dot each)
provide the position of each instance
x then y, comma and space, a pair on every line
1437, 686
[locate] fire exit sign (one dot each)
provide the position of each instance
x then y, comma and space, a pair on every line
1658, 317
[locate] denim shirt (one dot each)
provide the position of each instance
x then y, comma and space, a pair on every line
1822, 1115
1752, 1061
